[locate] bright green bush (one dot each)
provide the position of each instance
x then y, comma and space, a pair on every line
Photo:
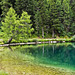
73, 38
3, 73
19, 41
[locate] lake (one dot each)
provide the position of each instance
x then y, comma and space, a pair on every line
43, 59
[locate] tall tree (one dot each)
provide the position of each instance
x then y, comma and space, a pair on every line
54, 20
5, 5
25, 25
72, 5
0, 24
41, 16
67, 16
23, 5
49, 17
15, 28
60, 13
9, 24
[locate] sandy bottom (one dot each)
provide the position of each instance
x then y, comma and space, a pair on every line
15, 66
31, 69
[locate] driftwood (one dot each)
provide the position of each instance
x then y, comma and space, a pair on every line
15, 44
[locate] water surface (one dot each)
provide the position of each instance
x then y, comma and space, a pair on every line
27, 60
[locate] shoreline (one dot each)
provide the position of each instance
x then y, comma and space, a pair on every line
36, 41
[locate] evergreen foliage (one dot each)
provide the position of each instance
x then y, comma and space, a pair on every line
10, 23
73, 38
49, 18
16, 28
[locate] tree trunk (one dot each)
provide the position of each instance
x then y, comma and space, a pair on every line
38, 31
9, 41
53, 33
68, 28
42, 32
47, 28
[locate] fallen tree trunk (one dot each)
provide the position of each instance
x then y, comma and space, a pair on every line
15, 44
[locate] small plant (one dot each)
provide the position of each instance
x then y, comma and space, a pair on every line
30, 40
35, 40
73, 38
3, 73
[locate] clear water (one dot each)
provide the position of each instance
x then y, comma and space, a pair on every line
49, 55
61, 55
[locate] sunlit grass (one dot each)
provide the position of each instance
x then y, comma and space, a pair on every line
3, 73
4, 40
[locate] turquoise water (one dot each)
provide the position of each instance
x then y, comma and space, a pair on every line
49, 55
61, 55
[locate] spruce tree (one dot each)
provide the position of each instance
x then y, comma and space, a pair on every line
54, 20
23, 5
9, 24
5, 5
41, 13
25, 25
67, 16
15, 28
60, 12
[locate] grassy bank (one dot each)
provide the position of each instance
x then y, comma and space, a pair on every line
2, 41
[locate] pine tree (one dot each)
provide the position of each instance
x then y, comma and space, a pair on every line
25, 25
67, 16
60, 17
5, 5
37, 23
72, 5
0, 24
23, 5
41, 14
14, 28
54, 20
9, 24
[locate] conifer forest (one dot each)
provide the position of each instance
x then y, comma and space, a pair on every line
41, 18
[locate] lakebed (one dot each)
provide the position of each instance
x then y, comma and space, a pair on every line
45, 59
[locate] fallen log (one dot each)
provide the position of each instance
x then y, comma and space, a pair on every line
28, 43
15, 44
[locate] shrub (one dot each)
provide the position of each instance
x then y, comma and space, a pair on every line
3, 73
73, 38
35, 40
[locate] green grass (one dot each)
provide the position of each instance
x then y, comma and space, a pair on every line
3, 73
4, 40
